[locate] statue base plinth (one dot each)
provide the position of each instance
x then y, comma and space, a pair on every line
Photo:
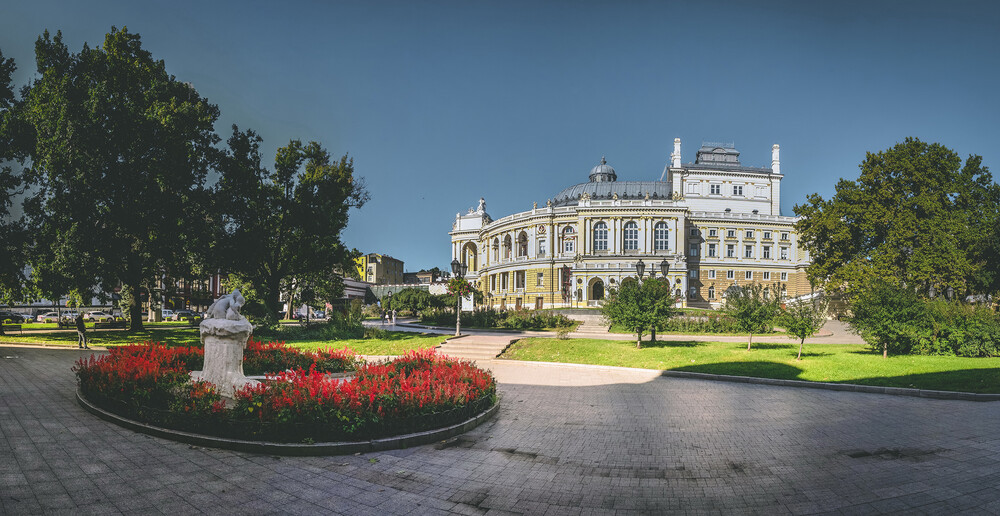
224, 341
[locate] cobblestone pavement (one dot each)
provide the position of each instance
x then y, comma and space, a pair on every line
567, 440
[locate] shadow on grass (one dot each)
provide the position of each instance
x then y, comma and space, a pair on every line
774, 345
672, 344
986, 380
759, 369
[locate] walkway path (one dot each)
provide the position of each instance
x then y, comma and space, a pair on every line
567, 440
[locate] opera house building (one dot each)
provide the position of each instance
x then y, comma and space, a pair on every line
710, 224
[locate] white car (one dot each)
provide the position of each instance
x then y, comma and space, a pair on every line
48, 317
99, 316
167, 314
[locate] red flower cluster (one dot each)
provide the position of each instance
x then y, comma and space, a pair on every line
273, 357
417, 384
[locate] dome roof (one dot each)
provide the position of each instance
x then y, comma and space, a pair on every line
607, 190
603, 172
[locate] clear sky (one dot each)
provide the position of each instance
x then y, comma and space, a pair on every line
441, 103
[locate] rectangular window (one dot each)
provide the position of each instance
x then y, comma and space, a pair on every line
711, 274
693, 274
738, 190
504, 281
731, 233
784, 236
567, 246
541, 279
784, 276
715, 189
748, 275
518, 279
748, 234
542, 248
713, 232
730, 274
493, 283
693, 292
694, 231
767, 235
730, 251
784, 253
767, 252
693, 251
748, 251
767, 276
711, 250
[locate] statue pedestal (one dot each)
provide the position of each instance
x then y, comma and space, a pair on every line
224, 341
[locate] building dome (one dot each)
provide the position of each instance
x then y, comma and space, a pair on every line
603, 172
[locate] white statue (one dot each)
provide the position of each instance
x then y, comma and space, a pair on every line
227, 307
224, 334
482, 205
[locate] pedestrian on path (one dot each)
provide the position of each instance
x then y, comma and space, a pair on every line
81, 332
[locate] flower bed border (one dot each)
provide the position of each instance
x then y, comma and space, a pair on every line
294, 449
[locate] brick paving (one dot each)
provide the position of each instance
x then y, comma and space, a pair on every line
567, 440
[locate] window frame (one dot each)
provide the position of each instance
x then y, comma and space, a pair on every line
599, 239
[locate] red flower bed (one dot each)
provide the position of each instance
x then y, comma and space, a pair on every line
419, 391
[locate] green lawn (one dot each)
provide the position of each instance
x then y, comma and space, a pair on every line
838, 363
394, 343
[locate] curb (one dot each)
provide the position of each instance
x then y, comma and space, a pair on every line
849, 387
294, 449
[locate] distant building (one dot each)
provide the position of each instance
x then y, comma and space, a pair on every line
380, 269
424, 277
713, 223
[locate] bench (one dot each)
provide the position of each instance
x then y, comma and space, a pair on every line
12, 327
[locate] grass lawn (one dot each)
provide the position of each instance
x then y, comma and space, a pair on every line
838, 363
394, 343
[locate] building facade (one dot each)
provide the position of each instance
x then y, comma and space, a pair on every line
379, 269
714, 222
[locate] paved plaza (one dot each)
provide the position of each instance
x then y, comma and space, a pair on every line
567, 440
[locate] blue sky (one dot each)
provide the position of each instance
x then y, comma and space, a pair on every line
440, 103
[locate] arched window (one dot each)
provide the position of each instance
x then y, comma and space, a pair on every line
600, 236
661, 236
631, 236
496, 249
569, 239
506, 247
522, 244
711, 292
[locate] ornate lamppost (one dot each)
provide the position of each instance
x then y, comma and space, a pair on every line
458, 269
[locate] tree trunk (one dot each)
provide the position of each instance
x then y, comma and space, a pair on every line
885, 350
638, 342
652, 334
135, 309
801, 342
750, 341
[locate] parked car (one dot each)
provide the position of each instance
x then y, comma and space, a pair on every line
99, 316
13, 317
181, 315
48, 317
167, 314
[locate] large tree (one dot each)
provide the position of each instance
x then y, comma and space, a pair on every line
13, 235
120, 155
916, 215
282, 226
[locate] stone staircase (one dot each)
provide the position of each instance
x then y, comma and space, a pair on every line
592, 327
476, 347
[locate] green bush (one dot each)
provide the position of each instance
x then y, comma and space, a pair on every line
492, 318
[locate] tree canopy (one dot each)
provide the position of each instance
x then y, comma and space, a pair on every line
916, 215
803, 318
281, 228
754, 307
640, 306
13, 235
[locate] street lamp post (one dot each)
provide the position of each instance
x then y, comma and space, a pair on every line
458, 269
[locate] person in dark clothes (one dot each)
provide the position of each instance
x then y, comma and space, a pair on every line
81, 332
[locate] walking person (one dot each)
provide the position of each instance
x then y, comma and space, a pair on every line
81, 332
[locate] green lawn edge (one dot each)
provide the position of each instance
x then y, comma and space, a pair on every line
833, 363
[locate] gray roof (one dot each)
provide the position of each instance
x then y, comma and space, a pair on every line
606, 189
